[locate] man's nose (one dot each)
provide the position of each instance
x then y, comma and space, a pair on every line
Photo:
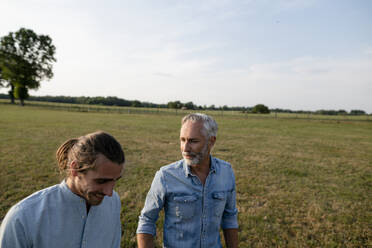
186, 147
108, 188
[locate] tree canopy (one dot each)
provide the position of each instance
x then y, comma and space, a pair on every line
260, 108
26, 59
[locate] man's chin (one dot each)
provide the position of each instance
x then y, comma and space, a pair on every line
94, 201
190, 162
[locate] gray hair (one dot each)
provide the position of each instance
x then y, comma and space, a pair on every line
209, 124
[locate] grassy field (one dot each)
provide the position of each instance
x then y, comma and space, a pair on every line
300, 183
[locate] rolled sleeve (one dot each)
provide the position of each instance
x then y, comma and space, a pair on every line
153, 204
230, 214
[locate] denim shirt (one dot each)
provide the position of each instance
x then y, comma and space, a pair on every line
56, 217
193, 213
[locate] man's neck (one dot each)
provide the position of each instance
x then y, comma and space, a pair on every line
73, 189
71, 185
202, 169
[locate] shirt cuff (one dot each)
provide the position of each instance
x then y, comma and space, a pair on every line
230, 222
148, 228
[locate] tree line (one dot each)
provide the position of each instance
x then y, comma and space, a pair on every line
115, 101
322, 111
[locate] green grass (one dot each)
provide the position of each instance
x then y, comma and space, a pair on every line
300, 183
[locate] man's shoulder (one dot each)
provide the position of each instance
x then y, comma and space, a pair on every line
222, 167
38, 196
221, 163
175, 166
32, 201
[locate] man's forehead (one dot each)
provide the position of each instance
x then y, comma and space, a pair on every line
192, 124
192, 128
107, 168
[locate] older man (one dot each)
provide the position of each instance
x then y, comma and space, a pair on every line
197, 194
83, 210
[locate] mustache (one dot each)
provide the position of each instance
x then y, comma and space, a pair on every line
189, 154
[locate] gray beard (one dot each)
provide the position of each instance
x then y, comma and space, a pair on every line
198, 157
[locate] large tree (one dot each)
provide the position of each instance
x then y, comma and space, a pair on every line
25, 60
261, 109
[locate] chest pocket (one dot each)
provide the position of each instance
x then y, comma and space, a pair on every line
185, 206
219, 202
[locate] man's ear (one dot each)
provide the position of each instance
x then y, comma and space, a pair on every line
212, 140
74, 168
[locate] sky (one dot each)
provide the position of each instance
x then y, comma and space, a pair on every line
289, 54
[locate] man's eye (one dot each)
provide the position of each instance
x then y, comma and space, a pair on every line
100, 181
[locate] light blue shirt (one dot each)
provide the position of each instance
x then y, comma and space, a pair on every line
193, 213
56, 217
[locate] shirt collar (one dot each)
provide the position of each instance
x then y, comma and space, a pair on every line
69, 194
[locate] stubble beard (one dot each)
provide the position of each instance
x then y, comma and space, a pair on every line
94, 198
197, 157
